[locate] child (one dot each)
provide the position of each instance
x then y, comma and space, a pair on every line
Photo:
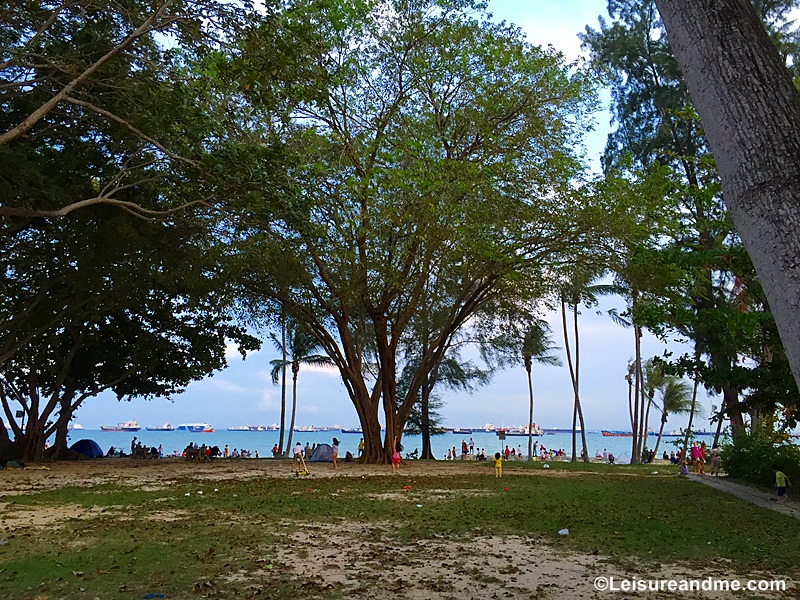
396, 456
684, 469
334, 453
498, 465
781, 481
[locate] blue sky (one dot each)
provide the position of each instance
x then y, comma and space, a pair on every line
244, 394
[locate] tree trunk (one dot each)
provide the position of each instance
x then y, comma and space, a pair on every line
530, 412
572, 374
295, 371
427, 452
750, 112
577, 382
636, 454
691, 416
283, 384
660, 433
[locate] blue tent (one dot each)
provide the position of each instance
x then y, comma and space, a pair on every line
322, 453
87, 448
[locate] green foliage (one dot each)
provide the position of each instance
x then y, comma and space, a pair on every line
435, 161
751, 457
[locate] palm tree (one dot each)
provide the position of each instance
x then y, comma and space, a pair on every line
300, 350
676, 399
536, 346
279, 371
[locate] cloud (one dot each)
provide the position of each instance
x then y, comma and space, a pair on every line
226, 386
269, 401
329, 371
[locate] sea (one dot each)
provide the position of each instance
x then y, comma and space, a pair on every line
261, 442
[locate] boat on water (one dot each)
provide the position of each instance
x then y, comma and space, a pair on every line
523, 431
607, 433
126, 426
196, 427
240, 428
75, 427
164, 427
355, 430
462, 431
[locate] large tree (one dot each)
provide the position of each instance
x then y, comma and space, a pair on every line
435, 154
147, 311
656, 124
750, 111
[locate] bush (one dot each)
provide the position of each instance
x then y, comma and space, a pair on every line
752, 457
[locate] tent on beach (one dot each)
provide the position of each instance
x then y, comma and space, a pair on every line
322, 453
88, 448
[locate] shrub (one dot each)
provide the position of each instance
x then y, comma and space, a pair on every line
752, 457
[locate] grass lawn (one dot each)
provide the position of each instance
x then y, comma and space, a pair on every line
118, 541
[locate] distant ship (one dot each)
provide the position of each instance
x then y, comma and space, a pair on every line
523, 431
126, 426
616, 433
355, 430
462, 431
196, 427
240, 428
75, 426
164, 427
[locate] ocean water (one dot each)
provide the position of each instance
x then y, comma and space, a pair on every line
263, 441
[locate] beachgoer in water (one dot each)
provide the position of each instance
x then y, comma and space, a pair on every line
498, 465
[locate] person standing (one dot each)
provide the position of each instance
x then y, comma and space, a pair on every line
226, 452
335, 453
694, 454
498, 464
361, 447
471, 447
715, 460
297, 458
396, 448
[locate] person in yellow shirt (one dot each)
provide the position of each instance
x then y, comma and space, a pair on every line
361, 447
781, 481
498, 465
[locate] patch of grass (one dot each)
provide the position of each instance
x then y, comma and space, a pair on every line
238, 527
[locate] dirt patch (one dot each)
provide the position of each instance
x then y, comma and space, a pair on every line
363, 562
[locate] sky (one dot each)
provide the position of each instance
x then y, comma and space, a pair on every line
243, 393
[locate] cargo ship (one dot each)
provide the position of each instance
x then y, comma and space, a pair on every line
196, 427
126, 426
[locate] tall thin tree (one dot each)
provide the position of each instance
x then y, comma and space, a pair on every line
536, 347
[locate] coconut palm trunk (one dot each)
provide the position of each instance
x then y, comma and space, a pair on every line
295, 371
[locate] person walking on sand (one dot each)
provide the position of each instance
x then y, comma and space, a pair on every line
781, 481
498, 464
396, 448
335, 453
